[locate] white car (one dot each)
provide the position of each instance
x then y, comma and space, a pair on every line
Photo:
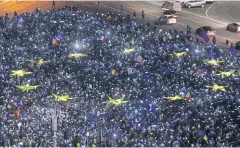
167, 20
195, 3
182, 2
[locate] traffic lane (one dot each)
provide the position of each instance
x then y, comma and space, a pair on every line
143, 6
196, 10
149, 5
225, 11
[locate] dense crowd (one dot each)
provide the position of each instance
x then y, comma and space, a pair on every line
144, 76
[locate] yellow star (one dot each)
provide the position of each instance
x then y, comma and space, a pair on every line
216, 87
20, 73
228, 73
61, 97
213, 62
116, 102
130, 50
175, 98
77, 55
27, 87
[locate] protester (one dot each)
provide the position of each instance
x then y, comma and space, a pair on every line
127, 60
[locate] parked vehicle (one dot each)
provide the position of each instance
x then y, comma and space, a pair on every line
194, 3
234, 27
208, 29
182, 2
171, 6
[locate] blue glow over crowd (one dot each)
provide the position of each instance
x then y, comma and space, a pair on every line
114, 83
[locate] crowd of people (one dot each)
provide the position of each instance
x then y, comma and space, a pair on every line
142, 64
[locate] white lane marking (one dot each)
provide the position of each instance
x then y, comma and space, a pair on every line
152, 20
209, 9
181, 24
222, 23
190, 19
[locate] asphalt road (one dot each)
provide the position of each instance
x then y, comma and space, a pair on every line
225, 11
195, 17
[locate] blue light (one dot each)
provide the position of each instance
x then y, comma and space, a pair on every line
135, 111
20, 20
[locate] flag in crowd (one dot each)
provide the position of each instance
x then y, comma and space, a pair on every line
204, 36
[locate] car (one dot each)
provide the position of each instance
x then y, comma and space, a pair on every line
208, 29
237, 45
182, 2
171, 6
167, 20
194, 3
233, 27
170, 13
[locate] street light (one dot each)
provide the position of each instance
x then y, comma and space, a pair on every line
57, 117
